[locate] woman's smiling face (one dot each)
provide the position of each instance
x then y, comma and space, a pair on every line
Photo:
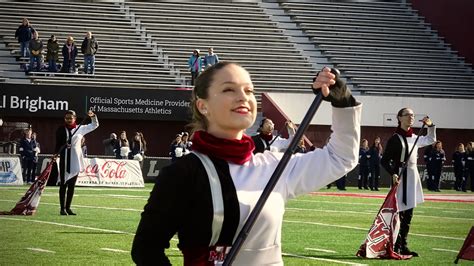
230, 107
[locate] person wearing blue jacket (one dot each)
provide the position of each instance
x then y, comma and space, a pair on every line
364, 168
195, 65
28, 149
429, 167
459, 163
376, 152
23, 34
437, 157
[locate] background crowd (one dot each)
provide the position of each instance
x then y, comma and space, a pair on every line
32, 47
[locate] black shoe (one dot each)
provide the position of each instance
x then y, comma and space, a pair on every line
376, 189
69, 212
407, 251
63, 212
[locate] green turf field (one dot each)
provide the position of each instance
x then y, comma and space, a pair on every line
317, 230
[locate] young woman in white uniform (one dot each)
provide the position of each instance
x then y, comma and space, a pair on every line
208, 210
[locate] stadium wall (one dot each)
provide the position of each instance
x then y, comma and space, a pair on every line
159, 114
451, 19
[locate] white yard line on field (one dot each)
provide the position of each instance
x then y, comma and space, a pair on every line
97, 196
83, 188
335, 202
456, 212
448, 250
366, 229
115, 250
374, 212
67, 225
321, 259
322, 250
374, 204
41, 250
90, 207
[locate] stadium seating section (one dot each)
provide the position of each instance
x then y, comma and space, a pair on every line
382, 47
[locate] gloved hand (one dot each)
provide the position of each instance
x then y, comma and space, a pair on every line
339, 95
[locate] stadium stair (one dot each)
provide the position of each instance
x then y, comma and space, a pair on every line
384, 48
125, 58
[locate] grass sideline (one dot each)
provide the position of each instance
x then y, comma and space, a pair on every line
317, 229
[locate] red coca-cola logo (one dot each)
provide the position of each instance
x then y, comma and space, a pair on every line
91, 170
110, 169
113, 169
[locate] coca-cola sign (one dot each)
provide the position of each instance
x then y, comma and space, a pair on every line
111, 173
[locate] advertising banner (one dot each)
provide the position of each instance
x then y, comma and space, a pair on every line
150, 166
111, 173
109, 103
10, 171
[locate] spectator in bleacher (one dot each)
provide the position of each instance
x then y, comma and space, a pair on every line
364, 167
211, 58
24, 33
459, 163
438, 157
89, 48
216, 186
265, 141
195, 65
109, 144
28, 151
122, 148
52, 54
409, 191
376, 152
69, 52
36, 52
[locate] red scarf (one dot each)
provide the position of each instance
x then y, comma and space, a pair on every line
267, 137
72, 126
232, 150
406, 134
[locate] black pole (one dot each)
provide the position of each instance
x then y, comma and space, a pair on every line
273, 180
405, 163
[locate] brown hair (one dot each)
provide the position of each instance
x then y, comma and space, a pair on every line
70, 112
400, 113
201, 91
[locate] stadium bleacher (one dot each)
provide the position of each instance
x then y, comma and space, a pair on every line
238, 31
125, 59
384, 47
381, 47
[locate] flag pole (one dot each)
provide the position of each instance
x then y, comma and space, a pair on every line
273, 180
28, 204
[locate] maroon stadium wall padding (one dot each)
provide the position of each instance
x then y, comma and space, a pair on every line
453, 19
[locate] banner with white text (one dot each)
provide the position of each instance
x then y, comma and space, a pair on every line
111, 173
10, 171
24, 100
